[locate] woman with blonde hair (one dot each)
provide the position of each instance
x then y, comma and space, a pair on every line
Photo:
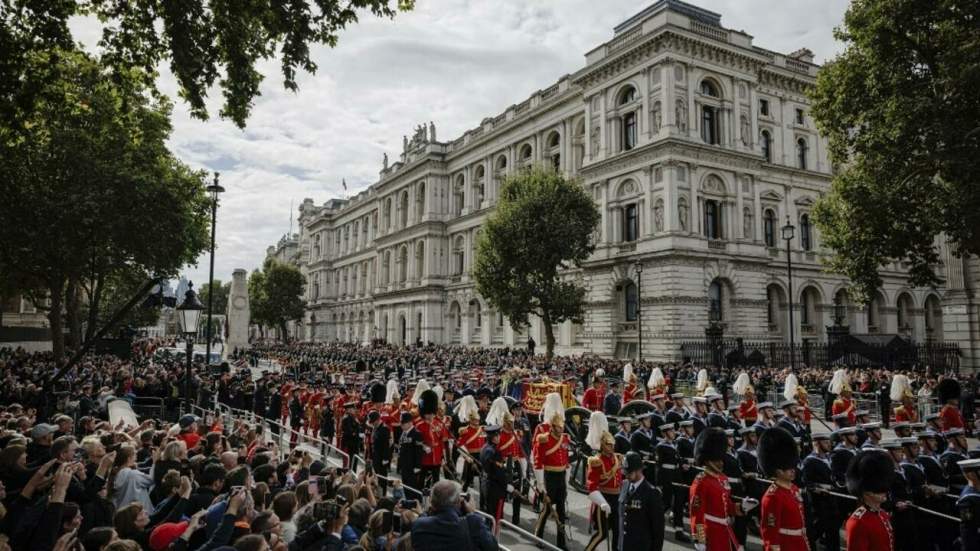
379, 535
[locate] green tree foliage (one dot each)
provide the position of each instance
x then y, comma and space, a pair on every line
276, 295
542, 227
258, 305
205, 42
901, 109
91, 195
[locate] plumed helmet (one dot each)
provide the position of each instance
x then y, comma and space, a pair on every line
702, 381
598, 426
599, 373
420, 387
656, 379
742, 383
628, 374
552, 408
839, 383
789, 388
377, 393
711, 445
439, 391
777, 450
498, 410
900, 387
466, 409
870, 470
391, 393
948, 389
428, 402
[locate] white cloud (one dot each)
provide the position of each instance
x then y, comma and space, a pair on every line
450, 61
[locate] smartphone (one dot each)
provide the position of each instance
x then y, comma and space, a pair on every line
396, 523
387, 522
409, 503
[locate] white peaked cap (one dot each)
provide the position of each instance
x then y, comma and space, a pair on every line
466, 407
420, 387
789, 388
702, 381
438, 390
837, 381
627, 372
742, 382
598, 424
600, 373
497, 411
900, 384
656, 378
391, 391
552, 406
711, 391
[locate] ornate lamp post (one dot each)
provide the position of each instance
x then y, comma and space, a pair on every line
189, 316
638, 268
789, 232
214, 189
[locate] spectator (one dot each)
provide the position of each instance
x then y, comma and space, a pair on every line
284, 505
126, 483
442, 527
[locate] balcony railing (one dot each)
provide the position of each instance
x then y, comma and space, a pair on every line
626, 326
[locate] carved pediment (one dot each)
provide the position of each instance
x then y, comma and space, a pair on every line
770, 195
805, 201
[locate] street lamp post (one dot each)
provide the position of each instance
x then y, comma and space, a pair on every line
189, 315
214, 189
638, 267
789, 232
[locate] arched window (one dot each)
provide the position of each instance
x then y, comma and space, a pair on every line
476, 314
629, 301
627, 95
526, 152
458, 195
774, 305
715, 312
807, 308
712, 219
806, 237
420, 201
631, 223
402, 264
454, 314
420, 260
554, 150
766, 142
501, 164
629, 131
458, 256
708, 88
404, 210
801, 149
769, 227
709, 125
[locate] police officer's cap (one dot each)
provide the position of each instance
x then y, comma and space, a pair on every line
406, 417
633, 463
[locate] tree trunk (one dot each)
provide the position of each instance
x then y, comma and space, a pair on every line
549, 337
284, 334
73, 315
56, 292
94, 305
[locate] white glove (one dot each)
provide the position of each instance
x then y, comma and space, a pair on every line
605, 508
596, 497
510, 488
427, 449
459, 465
748, 504
539, 477
699, 547
523, 463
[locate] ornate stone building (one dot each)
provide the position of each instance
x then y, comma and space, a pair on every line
697, 146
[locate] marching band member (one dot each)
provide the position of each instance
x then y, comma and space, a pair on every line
747, 409
594, 397
843, 403
630, 387
550, 455
869, 477
711, 507
433, 438
901, 391
782, 520
471, 439
413, 401
604, 478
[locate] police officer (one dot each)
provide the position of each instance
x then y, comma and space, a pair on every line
641, 509
409, 453
496, 479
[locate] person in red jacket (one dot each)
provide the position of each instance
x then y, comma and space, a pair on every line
712, 510
433, 438
596, 394
869, 477
948, 392
781, 520
604, 480
550, 454
630, 388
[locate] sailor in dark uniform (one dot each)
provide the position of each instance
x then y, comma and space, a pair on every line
668, 472
932, 423
862, 417
968, 505
921, 494
659, 416
791, 421
641, 509
684, 475
902, 518
956, 452
822, 513
928, 459
716, 415
495, 483
699, 417
872, 432
841, 456
677, 412
733, 470
644, 442
765, 420
748, 459
623, 436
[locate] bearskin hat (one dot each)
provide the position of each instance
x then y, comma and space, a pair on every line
711, 445
948, 389
378, 391
870, 471
777, 450
428, 402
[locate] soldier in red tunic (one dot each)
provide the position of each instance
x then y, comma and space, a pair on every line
510, 447
948, 392
471, 440
550, 454
630, 388
433, 438
782, 522
843, 404
869, 477
711, 507
604, 479
748, 411
390, 412
901, 391
596, 394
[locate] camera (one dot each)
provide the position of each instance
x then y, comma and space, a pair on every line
409, 503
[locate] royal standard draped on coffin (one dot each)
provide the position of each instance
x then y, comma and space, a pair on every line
534, 394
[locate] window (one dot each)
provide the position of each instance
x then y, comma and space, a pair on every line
708, 88
766, 146
712, 219
799, 116
714, 302
709, 125
631, 224
801, 153
806, 307
627, 96
764, 107
526, 153
806, 240
769, 227
630, 301
556, 161
629, 131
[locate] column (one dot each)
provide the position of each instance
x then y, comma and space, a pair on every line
692, 108
739, 208
670, 96
603, 212
670, 197
757, 205
753, 116
588, 136
603, 126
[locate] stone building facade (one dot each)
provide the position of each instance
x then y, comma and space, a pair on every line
697, 146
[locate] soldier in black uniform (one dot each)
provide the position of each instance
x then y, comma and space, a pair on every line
899, 498
350, 431
968, 505
922, 495
409, 452
641, 509
644, 442
823, 519
380, 447
495, 483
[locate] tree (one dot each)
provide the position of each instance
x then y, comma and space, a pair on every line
90, 191
900, 108
283, 293
542, 228
205, 42
257, 301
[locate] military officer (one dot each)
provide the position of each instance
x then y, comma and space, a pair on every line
471, 440
604, 479
782, 524
823, 520
496, 479
956, 452
550, 455
869, 478
641, 509
710, 500
669, 471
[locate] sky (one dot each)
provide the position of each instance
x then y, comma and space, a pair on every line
453, 62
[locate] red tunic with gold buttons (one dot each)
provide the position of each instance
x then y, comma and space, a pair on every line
748, 411
285, 391
843, 405
550, 453
510, 444
472, 439
781, 519
593, 398
907, 415
712, 512
629, 392
804, 402
434, 437
605, 474
391, 415
952, 418
868, 530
